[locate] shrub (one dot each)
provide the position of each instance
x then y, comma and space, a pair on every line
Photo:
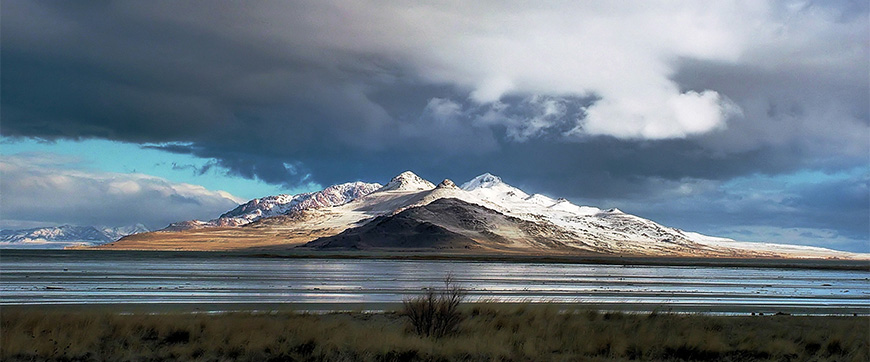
436, 313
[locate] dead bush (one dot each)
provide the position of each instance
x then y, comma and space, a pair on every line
435, 313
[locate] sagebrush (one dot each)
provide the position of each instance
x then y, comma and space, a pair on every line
435, 313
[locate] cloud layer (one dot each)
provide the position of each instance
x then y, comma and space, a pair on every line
41, 189
293, 82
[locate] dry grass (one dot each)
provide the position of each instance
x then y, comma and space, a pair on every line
211, 239
490, 332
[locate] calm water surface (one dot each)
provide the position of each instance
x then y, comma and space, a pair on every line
89, 277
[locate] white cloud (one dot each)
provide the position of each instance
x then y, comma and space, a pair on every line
40, 190
678, 115
443, 110
622, 52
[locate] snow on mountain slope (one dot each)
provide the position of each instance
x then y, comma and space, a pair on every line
270, 206
606, 231
283, 204
65, 235
446, 223
122, 231
447, 184
582, 228
795, 251
510, 219
407, 181
402, 191
566, 224
567, 206
492, 188
618, 232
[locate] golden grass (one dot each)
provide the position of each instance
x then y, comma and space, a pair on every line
489, 332
211, 239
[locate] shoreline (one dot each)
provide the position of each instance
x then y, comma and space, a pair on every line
677, 261
388, 307
778, 263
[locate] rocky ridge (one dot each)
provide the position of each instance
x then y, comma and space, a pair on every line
271, 206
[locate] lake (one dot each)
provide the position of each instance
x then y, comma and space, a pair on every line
44, 277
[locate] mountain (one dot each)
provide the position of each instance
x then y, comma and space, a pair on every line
407, 181
122, 231
446, 223
270, 206
484, 214
66, 235
419, 227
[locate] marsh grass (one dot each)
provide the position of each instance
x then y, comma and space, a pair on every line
489, 332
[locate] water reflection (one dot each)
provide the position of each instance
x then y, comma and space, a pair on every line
44, 278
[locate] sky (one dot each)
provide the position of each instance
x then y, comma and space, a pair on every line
742, 119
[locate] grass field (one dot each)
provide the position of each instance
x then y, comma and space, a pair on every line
488, 332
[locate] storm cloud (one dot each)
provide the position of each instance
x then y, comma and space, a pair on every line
602, 102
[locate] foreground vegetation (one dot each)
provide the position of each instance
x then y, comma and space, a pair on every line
487, 332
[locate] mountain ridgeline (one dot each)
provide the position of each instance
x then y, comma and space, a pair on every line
485, 214
65, 235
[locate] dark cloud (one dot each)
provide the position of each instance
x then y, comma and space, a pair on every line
806, 112
292, 93
197, 170
840, 205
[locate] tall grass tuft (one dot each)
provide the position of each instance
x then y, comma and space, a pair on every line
436, 313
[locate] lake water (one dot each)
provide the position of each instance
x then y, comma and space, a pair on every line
93, 277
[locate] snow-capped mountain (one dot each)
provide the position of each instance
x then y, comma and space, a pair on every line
270, 206
116, 233
609, 231
407, 181
485, 214
66, 235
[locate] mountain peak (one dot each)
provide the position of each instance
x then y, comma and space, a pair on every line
447, 184
486, 180
407, 181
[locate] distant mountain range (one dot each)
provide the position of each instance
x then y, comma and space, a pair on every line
485, 214
66, 235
